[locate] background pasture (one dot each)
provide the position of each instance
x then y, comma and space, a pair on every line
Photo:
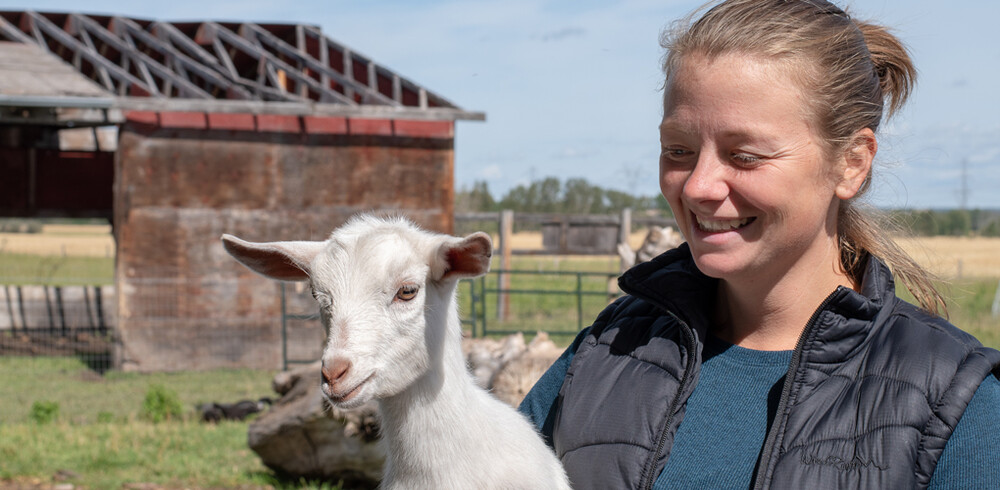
100, 437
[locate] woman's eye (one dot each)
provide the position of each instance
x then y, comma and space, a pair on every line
407, 292
745, 159
676, 154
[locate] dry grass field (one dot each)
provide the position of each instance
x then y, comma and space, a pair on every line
61, 240
956, 257
947, 257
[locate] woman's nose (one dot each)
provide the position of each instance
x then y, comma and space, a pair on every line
707, 180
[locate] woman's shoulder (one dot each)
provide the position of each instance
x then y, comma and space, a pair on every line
969, 458
912, 320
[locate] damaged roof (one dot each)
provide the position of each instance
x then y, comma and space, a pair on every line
138, 64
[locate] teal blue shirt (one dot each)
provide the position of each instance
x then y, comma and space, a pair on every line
725, 421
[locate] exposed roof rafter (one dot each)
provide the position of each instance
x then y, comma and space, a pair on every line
222, 62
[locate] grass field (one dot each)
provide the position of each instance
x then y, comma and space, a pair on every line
99, 440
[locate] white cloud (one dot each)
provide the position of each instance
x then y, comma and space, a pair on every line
490, 172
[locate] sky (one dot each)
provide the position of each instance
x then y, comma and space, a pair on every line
571, 89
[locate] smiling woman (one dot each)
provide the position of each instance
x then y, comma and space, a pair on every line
770, 351
752, 190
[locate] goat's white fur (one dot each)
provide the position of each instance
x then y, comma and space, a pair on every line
439, 429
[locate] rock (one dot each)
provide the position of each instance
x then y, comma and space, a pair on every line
513, 381
302, 436
485, 357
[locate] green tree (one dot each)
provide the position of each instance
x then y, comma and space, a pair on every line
579, 197
477, 199
957, 222
992, 229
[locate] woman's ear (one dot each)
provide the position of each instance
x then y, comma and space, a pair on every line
857, 167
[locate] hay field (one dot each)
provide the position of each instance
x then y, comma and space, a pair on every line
948, 257
61, 240
956, 257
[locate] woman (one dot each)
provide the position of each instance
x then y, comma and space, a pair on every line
770, 350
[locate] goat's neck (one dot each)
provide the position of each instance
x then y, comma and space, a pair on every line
426, 413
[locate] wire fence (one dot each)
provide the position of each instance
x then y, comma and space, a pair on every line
559, 303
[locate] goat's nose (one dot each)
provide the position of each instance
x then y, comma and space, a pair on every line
335, 370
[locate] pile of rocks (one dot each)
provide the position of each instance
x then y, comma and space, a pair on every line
302, 436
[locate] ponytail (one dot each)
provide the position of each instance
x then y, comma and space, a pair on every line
856, 73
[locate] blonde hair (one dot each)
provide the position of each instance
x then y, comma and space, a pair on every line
855, 73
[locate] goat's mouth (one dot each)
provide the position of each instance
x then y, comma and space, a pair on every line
348, 395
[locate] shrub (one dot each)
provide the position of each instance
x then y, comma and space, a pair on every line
161, 403
43, 412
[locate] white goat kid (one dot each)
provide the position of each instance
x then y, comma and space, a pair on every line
386, 291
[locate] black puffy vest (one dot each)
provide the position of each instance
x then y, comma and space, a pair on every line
874, 390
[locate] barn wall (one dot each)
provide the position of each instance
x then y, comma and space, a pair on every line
50, 182
184, 179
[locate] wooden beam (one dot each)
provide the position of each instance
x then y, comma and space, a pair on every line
181, 62
68, 41
10, 31
257, 37
102, 72
146, 65
299, 108
305, 59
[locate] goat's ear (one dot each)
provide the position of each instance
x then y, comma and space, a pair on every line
459, 258
284, 261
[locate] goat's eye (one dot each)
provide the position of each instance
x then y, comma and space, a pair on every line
407, 292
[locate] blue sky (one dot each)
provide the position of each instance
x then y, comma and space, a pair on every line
571, 88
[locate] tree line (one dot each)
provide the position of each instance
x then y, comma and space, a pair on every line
551, 195
577, 196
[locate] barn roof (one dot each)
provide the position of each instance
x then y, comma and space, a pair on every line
206, 66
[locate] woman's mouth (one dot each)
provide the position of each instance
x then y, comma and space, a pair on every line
721, 225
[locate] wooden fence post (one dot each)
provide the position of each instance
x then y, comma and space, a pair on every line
625, 226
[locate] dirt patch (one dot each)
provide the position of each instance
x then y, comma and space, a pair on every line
44, 343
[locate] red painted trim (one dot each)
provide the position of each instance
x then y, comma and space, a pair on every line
325, 125
143, 117
278, 123
235, 122
370, 127
424, 129
185, 120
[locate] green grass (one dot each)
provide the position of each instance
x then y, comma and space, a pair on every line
23, 269
100, 436
970, 302
562, 315
83, 395
107, 455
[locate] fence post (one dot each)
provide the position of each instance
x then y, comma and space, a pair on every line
625, 227
503, 280
482, 309
284, 331
472, 305
579, 301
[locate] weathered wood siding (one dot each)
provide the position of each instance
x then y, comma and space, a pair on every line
184, 179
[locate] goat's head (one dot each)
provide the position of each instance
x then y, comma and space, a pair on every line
384, 288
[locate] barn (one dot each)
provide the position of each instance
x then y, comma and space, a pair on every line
178, 132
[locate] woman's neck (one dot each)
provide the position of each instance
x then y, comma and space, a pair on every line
770, 313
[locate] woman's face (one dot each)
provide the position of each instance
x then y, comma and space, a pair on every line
744, 171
